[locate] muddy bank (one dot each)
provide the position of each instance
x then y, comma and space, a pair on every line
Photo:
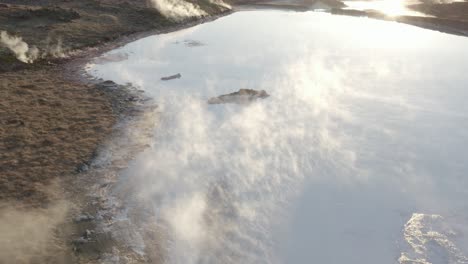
96, 224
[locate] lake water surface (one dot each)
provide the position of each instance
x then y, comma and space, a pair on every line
358, 156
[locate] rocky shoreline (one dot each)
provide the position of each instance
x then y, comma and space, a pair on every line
97, 218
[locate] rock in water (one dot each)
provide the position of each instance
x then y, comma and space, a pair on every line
241, 97
175, 76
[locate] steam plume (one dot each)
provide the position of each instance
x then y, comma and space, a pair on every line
55, 50
28, 54
29, 236
221, 3
20, 48
178, 9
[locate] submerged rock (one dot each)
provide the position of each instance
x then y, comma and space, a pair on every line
240, 97
175, 76
193, 43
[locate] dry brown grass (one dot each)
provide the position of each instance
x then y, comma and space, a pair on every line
48, 126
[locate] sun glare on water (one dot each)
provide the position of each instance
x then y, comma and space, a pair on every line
393, 7
388, 7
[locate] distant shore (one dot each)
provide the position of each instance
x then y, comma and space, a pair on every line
451, 18
442, 24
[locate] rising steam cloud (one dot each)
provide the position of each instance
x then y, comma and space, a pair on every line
178, 9
55, 50
27, 54
221, 3
20, 48
29, 236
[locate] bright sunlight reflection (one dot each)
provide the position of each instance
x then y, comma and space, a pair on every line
388, 7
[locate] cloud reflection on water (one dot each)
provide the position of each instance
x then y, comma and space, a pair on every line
358, 135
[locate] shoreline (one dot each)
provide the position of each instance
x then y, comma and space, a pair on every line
31, 95
98, 204
74, 69
78, 189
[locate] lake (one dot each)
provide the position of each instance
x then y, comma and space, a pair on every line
359, 155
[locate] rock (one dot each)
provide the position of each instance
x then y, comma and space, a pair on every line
83, 167
80, 241
108, 84
42, 101
241, 97
175, 76
193, 43
131, 99
87, 234
16, 122
83, 218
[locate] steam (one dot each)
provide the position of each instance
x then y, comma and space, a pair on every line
55, 50
29, 236
178, 9
20, 48
27, 54
221, 3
